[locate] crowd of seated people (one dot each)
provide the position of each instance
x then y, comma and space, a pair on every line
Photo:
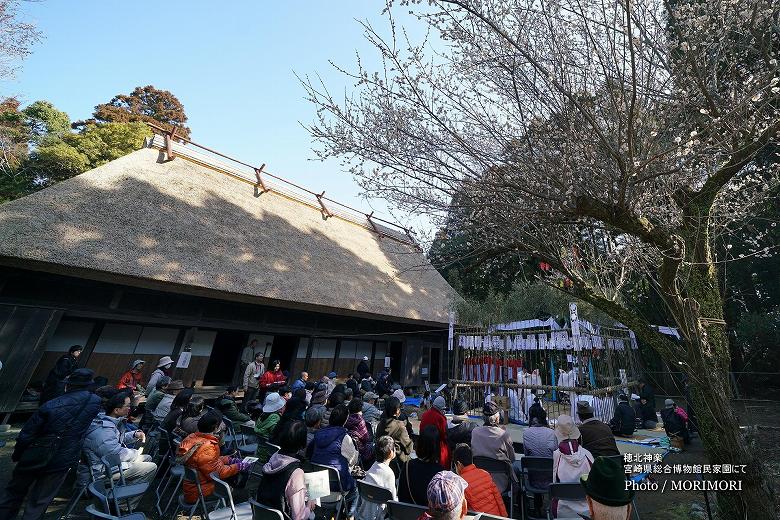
314, 423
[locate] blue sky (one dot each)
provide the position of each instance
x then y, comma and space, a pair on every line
231, 64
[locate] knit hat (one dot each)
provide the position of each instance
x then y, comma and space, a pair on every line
622, 397
75, 348
365, 358
399, 394
370, 396
331, 375
490, 409
165, 360
566, 429
669, 403
80, 377
459, 408
440, 404
137, 362
318, 397
273, 403
445, 492
606, 483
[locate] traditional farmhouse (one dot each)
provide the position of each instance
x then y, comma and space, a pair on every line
171, 249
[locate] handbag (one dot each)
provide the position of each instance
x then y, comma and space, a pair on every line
39, 453
42, 450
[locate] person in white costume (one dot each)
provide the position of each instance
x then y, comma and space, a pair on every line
568, 378
532, 379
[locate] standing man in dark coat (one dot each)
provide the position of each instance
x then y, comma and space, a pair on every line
67, 416
362, 368
54, 385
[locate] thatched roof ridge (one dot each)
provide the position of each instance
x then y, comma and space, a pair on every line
189, 225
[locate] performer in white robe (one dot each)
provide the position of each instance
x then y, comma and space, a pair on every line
515, 413
568, 378
531, 379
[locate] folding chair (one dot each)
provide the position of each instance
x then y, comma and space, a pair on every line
230, 437
175, 474
261, 512
404, 511
336, 501
249, 440
183, 506
121, 490
565, 491
231, 511
374, 494
505, 470
79, 489
106, 516
532, 468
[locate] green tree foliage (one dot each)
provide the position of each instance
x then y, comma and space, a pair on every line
144, 104
60, 158
45, 121
14, 135
40, 147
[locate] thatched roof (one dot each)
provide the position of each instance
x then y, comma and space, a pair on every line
194, 225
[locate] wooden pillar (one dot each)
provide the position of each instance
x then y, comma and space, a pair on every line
336, 354
92, 340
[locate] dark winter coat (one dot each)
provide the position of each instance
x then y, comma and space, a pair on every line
623, 421
327, 451
460, 433
54, 386
647, 392
68, 416
362, 369
384, 384
647, 412
597, 438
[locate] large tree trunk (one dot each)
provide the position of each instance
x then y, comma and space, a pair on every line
697, 306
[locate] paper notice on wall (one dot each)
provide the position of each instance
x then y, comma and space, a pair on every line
424, 371
427, 386
569, 358
317, 484
184, 360
387, 361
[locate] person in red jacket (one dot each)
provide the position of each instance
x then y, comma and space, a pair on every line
435, 417
273, 379
482, 495
200, 451
132, 379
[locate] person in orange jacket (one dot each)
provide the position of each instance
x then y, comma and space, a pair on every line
200, 451
482, 495
132, 379
435, 417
